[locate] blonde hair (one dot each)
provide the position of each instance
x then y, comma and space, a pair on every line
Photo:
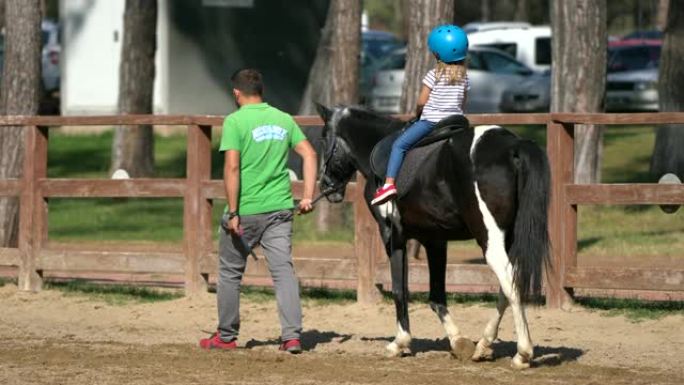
454, 72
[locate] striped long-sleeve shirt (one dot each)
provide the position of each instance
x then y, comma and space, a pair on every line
444, 99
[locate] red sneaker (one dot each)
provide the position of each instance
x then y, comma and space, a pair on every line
214, 342
384, 194
293, 346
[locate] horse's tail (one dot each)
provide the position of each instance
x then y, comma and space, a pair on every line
529, 251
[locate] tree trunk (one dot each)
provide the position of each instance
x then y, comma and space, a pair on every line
668, 153
133, 146
486, 10
423, 16
19, 95
334, 78
579, 73
2, 13
521, 13
661, 15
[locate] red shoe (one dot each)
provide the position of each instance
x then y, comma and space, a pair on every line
384, 194
214, 342
293, 346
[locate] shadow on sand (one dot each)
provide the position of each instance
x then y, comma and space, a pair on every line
544, 355
310, 339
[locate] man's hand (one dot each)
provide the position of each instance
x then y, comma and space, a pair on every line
305, 206
306, 151
232, 225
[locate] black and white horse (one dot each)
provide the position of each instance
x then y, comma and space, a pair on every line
484, 183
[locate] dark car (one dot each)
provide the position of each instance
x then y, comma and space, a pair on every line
375, 46
650, 34
632, 80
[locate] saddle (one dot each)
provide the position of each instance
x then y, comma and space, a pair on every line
445, 129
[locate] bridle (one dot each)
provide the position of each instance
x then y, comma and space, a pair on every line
330, 148
324, 167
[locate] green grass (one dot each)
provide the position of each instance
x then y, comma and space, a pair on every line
325, 296
630, 230
634, 310
158, 220
88, 155
114, 294
154, 220
485, 299
318, 296
603, 230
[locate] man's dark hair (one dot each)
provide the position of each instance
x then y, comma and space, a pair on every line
248, 81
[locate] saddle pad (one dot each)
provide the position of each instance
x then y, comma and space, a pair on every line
411, 166
442, 131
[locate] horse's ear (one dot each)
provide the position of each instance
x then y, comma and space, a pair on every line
323, 111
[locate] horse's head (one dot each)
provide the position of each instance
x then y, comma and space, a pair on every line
338, 165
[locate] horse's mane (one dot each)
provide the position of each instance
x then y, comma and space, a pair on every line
358, 116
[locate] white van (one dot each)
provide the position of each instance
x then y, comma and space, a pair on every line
530, 45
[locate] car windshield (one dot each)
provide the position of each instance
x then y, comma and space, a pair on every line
509, 48
379, 45
395, 61
543, 50
502, 64
633, 58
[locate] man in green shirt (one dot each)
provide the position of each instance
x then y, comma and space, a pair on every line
256, 141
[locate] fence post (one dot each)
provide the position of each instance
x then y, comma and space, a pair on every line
365, 230
196, 208
32, 208
562, 216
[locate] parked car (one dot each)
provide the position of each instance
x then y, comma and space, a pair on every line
486, 26
378, 44
530, 45
490, 71
531, 95
646, 34
50, 55
632, 80
375, 46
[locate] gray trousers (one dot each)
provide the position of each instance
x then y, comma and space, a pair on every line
273, 231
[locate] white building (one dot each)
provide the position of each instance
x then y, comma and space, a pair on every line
200, 43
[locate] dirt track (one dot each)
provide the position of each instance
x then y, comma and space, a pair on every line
50, 338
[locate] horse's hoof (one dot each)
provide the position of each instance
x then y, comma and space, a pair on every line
462, 349
393, 350
519, 362
483, 351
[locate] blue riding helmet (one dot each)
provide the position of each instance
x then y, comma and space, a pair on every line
448, 43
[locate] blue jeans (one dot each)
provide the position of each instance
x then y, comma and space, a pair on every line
404, 142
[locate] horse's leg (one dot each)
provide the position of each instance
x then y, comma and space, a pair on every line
395, 247
494, 249
437, 259
483, 350
497, 259
400, 293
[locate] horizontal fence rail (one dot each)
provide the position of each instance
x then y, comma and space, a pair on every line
365, 269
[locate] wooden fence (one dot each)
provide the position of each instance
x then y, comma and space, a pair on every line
366, 269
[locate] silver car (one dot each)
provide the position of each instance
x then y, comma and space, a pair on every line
632, 81
491, 72
531, 95
50, 55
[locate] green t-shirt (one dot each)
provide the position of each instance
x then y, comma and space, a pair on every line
263, 135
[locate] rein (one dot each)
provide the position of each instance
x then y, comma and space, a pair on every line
322, 195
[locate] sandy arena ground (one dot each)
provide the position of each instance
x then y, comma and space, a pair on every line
53, 338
